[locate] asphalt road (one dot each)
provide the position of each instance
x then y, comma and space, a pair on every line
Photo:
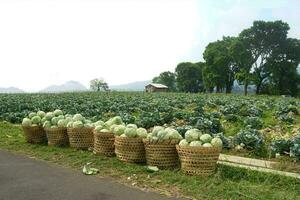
23, 178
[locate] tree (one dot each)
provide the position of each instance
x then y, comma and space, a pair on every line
189, 77
261, 39
242, 61
167, 78
219, 69
98, 85
282, 67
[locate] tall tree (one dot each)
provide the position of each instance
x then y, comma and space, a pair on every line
167, 78
189, 77
261, 39
242, 60
282, 67
219, 69
98, 85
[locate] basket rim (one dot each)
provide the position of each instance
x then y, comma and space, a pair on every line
178, 147
128, 138
56, 129
81, 128
37, 126
102, 133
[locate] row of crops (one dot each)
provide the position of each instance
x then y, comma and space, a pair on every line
263, 125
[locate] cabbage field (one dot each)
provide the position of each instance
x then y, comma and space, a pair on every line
261, 125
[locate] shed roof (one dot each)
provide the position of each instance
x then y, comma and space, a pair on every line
157, 85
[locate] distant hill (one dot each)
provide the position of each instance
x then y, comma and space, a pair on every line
11, 90
70, 86
133, 86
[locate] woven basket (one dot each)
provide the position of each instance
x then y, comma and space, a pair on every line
104, 144
57, 136
34, 134
81, 138
130, 150
162, 155
198, 160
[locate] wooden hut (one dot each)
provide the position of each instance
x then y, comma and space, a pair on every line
156, 87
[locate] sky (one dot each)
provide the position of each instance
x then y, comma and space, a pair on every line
47, 42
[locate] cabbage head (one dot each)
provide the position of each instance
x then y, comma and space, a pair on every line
119, 129
192, 135
217, 142
36, 120
130, 132
41, 114
206, 138
78, 117
77, 124
61, 123
26, 122
196, 144
141, 132
207, 145
183, 143
156, 129
49, 115
57, 112
31, 115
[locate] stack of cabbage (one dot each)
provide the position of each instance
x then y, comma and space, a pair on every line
55, 119
34, 119
160, 134
195, 138
78, 121
131, 131
109, 125
32, 128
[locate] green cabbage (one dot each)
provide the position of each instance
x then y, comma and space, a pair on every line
78, 117
31, 115
130, 132
119, 129
156, 129
49, 115
58, 112
26, 122
216, 142
41, 114
117, 120
196, 144
36, 120
141, 132
206, 138
207, 145
183, 143
61, 123
47, 124
54, 120
98, 128
77, 124
192, 135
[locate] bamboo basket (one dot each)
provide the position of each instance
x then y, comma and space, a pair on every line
57, 136
81, 138
130, 150
162, 155
34, 134
198, 160
104, 144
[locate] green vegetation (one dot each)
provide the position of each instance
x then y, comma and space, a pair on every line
228, 183
269, 118
262, 56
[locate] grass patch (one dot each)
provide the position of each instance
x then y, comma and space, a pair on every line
227, 183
